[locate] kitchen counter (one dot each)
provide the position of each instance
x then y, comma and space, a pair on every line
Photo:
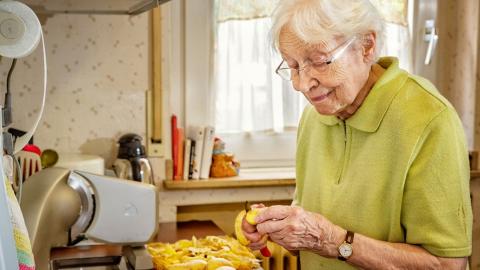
105, 254
171, 232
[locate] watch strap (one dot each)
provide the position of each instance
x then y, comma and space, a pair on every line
349, 237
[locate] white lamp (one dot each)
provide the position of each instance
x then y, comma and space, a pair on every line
20, 33
20, 29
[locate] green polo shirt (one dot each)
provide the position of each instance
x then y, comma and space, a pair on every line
396, 171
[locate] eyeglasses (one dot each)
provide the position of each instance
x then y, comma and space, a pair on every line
288, 73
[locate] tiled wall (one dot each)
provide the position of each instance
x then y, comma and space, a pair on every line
97, 78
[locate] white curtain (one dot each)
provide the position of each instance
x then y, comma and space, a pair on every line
393, 11
398, 43
249, 96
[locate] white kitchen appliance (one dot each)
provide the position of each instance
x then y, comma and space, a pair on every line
62, 207
81, 162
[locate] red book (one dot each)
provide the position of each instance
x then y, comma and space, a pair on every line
180, 157
174, 144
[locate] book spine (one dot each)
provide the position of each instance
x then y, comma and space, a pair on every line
197, 134
180, 156
209, 136
186, 158
174, 144
192, 160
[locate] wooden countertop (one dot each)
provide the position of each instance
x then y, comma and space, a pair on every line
173, 231
247, 178
167, 232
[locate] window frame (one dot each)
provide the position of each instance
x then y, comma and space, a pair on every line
257, 149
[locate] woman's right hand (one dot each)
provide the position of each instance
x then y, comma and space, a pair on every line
257, 241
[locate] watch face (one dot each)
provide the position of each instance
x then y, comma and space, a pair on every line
345, 250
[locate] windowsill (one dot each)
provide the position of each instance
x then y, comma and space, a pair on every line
258, 177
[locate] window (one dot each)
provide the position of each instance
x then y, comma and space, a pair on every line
256, 112
249, 96
230, 80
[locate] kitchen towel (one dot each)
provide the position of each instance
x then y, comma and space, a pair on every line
20, 233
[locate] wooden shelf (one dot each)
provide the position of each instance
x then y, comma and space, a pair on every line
251, 178
247, 178
474, 174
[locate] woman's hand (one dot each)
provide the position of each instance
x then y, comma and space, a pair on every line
257, 240
296, 229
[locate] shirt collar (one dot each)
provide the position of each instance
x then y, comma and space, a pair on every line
370, 114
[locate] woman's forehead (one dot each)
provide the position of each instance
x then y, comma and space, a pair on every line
290, 43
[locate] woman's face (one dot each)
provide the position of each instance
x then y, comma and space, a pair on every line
335, 87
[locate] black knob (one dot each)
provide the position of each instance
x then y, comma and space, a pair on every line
130, 146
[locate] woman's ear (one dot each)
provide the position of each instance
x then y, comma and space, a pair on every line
369, 46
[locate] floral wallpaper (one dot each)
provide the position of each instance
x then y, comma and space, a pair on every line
97, 78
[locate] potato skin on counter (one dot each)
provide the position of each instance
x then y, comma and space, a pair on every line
211, 252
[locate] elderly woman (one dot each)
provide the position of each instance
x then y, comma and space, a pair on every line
382, 165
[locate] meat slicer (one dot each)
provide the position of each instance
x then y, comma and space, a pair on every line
61, 207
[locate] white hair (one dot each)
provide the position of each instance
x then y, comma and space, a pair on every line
314, 21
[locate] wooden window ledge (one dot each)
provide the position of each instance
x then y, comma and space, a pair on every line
264, 177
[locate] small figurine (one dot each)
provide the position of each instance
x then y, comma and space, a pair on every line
223, 164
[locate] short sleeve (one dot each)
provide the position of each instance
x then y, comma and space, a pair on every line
436, 207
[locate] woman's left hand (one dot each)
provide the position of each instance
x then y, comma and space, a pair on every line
296, 229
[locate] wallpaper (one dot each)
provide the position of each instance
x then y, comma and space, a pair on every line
97, 78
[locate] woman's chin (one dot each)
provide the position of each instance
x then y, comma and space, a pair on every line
325, 110
328, 109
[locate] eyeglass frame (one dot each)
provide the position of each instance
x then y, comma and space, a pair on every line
336, 53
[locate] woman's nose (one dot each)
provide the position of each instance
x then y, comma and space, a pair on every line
305, 82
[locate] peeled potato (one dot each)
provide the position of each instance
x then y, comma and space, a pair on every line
214, 263
252, 214
250, 218
211, 252
238, 229
190, 265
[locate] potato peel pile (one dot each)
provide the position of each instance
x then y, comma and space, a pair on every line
211, 252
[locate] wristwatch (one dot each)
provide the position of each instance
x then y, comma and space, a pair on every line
346, 249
